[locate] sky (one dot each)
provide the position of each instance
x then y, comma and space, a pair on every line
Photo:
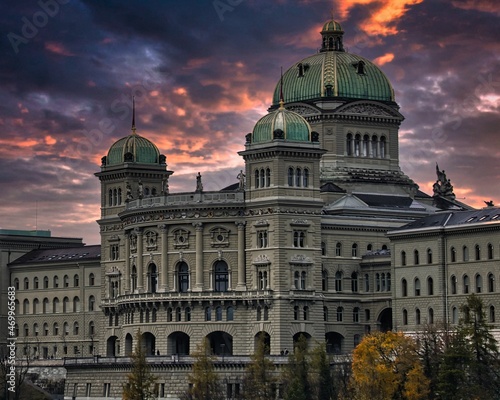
203, 73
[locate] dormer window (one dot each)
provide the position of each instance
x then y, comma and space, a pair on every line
360, 67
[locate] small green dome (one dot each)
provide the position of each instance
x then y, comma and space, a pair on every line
281, 124
133, 148
331, 26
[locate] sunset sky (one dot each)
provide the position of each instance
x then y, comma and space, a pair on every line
203, 72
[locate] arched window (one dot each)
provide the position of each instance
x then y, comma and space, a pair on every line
296, 280
430, 286
416, 259
91, 303
490, 251
91, 328
26, 330
296, 313
298, 177
76, 280
355, 314
262, 280
338, 281
45, 305
35, 282
453, 284
357, 145
338, 249
66, 281
66, 328
466, 284
290, 176
119, 196
324, 280
26, 306
404, 288
403, 258
76, 304
374, 146
208, 314
325, 314
340, 314
110, 197
16, 284
187, 314
306, 313
454, 315
479, 283
55, 305
431, 316
91, 279
35, 329
266, 313
306, 177
152, 278
377, 282
170, 314
262, 178
76, 328
36, 306
453, 254
115, 197
45, 282
65, 305
405, 317
354, 250
268, 177
417, 316
492, 314
303, 277
221, 276
133, 278
382, 147
382, 282
256, 179
417, 287
183, 277
465, 253
429, 256
366, 140
26, 284
45, 329
178, 314
56, 281
367, 283
349, 144
388, 282
477, 252
230, 314
491, 283
354, 282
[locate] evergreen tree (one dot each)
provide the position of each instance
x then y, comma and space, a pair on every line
259, 383
296, 375
204, 383
140, 381
320, 374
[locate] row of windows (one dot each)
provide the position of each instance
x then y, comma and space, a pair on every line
55, 331
55, 282
298, 177
466, 285
382, 282
298, 238
366, 146
354, 249
454, 316
262, 178
176, 315
115, 197
54, 306
453, 255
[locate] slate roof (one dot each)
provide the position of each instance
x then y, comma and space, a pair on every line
85, 253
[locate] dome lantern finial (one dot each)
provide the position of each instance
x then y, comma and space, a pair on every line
282, 102
332, 35
133, 115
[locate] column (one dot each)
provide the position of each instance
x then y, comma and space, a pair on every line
127, 264
241, 256
199, 257
164, 258
140, 272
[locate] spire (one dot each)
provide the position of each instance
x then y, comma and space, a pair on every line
133, 115
282, 102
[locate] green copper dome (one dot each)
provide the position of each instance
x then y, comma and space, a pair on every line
333, 73
133, 148
281, 124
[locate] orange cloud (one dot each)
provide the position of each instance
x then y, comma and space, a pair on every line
386, 58
58, 48
489, 6
50, 140
384, 14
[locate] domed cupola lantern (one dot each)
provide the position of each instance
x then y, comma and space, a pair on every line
332, 35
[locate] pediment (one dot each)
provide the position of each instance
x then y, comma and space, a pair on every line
303, 109
369, 109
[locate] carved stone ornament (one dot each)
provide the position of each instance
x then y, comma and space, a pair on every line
261, 259
300, 222
301, 259
261, 222
367, 109
303, 110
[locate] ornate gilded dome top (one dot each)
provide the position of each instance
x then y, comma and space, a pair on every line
134, 149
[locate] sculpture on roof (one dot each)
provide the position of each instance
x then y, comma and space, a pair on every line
241, 179
129, 193
442, 186
199, 185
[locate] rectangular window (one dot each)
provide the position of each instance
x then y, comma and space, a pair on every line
88, 390
106, 389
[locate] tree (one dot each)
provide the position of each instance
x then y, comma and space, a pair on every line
386, 366
259, 382
204, 383
140, 381
296, 374
20, 373
471, 362
320, 374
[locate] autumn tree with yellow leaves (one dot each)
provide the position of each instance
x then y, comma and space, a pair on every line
387, 366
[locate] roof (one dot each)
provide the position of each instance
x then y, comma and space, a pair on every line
455, 219
331, 188
281, 124
133, 148
308, 79
83, 253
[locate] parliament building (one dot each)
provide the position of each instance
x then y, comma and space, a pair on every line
321, 235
